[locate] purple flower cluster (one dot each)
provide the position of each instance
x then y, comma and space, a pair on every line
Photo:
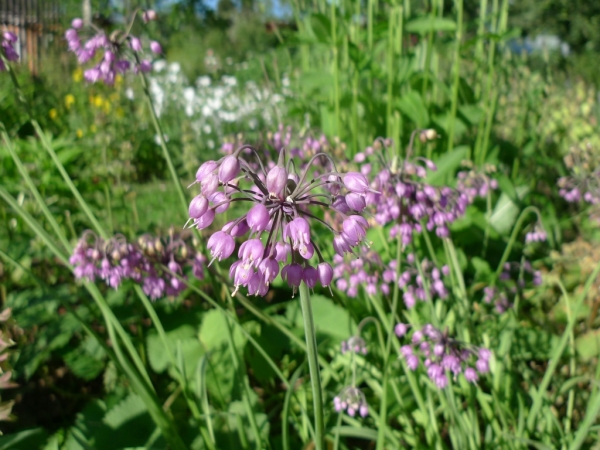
402, 197
537, 234
352, 400
428, 283
120, 52
475, 183
442, 355
283, 204
515, 277
354, 344
148, 262
7, 47
366, 269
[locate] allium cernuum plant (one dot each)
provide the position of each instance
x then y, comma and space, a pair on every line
278, 228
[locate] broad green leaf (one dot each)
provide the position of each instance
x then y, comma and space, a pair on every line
447, 165
443, 121
412, 105
588, 345
23, 440
506, 211
212, 331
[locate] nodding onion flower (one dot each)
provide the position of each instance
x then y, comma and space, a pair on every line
144, 262
121, 51
443, 355
283, 206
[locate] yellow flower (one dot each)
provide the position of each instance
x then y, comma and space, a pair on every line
69, 100
93, 128
120, 112
79, 133
106, 107
98, 101
78, 75
53, 113
118, 80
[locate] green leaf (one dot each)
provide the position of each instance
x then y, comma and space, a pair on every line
360, 433
447, 165
331, 321
423, 25
588, 345
412, 105
443, 121
129, 408
24, 440
83, 364
212, 334
506, 211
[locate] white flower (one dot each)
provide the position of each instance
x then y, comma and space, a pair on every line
203, 81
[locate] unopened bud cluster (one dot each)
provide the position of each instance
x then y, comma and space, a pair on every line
402, 197
442, 355
152, 262
366, 269
354, 344
424, 284
115, 54
352, 401
515, 277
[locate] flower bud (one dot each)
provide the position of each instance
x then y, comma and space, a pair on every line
356, 182
229, 169
77, 23
136, 44
258, 218
149, 16
198, 206
325, 272
356, 201
155, 48
276, 181
310, 276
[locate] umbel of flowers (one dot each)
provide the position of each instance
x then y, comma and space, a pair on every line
441, 355
152, 262
112, 54
277, 229
514, 278
402, 196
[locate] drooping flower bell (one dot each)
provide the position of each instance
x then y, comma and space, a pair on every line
284, 209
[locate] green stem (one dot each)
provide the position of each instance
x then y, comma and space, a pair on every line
40, 133
513, 237
557, 353
382, 428
181, 378
313, 366
163, 146
36, 194
336, 69
239, 368
456, 69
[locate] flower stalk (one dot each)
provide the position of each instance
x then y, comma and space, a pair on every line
313, 366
